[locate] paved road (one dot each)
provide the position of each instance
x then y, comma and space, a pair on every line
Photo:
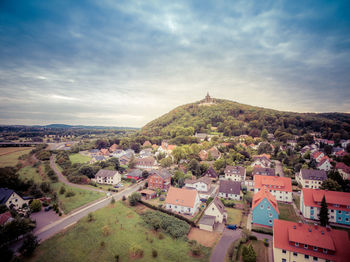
64, 180
220, 250
278, 168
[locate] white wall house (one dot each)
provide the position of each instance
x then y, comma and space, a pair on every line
108, 177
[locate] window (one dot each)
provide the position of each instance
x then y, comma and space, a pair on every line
347, 219
296, 244
315, 248
339, 218
268, 208
270, 214
284, 260
284, 251
325, 251
332, 211
339, 211
315, 259
306, 246
306, 256
295, 254
270, 221
261, 206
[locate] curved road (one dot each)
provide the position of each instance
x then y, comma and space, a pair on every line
64, 180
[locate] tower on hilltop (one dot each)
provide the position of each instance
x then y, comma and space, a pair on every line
207, 100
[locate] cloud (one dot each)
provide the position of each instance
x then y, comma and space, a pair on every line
127, 62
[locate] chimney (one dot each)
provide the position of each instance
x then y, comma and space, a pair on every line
309, 229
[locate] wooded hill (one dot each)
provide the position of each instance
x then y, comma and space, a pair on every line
234, 119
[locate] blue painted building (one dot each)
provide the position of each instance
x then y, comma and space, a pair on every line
265, 208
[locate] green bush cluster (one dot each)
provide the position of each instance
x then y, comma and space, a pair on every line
169, 224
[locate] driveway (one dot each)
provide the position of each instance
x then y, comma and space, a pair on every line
43, 218
64, 180
278, 168
220, 250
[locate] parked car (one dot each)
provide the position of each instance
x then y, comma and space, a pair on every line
232, 227
48, 208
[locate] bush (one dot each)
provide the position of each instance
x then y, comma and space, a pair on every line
248, 254
136, 251
134, 198
123, 198
251, 237
161, 236
70, 194
62, 190
112, 200
35, 206
196, 249
154, 253
262, 230
29, 244
106, 230
91, 217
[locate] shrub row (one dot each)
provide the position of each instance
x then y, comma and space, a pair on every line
262, 230
169, 213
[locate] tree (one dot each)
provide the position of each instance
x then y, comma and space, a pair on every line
194, 167
35, 206
330, 184
29, 244
324, 215
134, 198
264, 134
248, 254
166, 162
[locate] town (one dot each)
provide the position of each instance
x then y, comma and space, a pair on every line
202, 194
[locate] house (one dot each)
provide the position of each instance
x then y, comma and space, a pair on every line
135, 174
148, 194
215, 213
338, 205
94, 152
211, 173
5, 218
317, 155
11, 199
109, 177
98, 158
235, 173
159, 179
202, 185
261, 161
230, 190
182, 200
341, 153
201, 136
310, 178
292, 142
203, 155
344, 143
145, 163
104, 152
343, 170
263, 171
303, 242
147, 152
214, 152
324, 164
265, 208
113, 147
125, 159
279, 187
147, 144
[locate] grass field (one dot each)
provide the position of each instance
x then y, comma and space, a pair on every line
80, 198
79, 158
287, 212
234, 216
9, 155
29, 172
115, 231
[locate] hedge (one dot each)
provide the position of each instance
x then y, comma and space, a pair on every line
168, 212
262, 230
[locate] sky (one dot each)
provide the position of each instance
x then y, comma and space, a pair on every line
124, 63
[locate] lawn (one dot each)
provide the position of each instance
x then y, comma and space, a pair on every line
287, 212
115, 230
80, 198
29, 172
9, 156
79, 158
234, 216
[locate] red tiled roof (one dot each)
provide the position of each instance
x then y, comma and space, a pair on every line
273, 182
314, 196
342, 166
261, 195
316, 154
171, 147
4, 217
181, 197
330, 239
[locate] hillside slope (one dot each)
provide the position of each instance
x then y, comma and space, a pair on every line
232, 118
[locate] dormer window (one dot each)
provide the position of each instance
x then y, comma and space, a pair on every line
325, 251
296, 244
306, 246
315, 249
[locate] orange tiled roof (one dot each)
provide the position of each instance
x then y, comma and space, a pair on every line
261, 195
273, 182
285, 232
314, 196
181, 196
342, 166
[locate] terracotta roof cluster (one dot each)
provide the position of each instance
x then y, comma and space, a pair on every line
316, 154
181, 197
135, 173
261, 195
312, 174
147, 143
273, 182
312, 197
148, 161
230, 187
335, 242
